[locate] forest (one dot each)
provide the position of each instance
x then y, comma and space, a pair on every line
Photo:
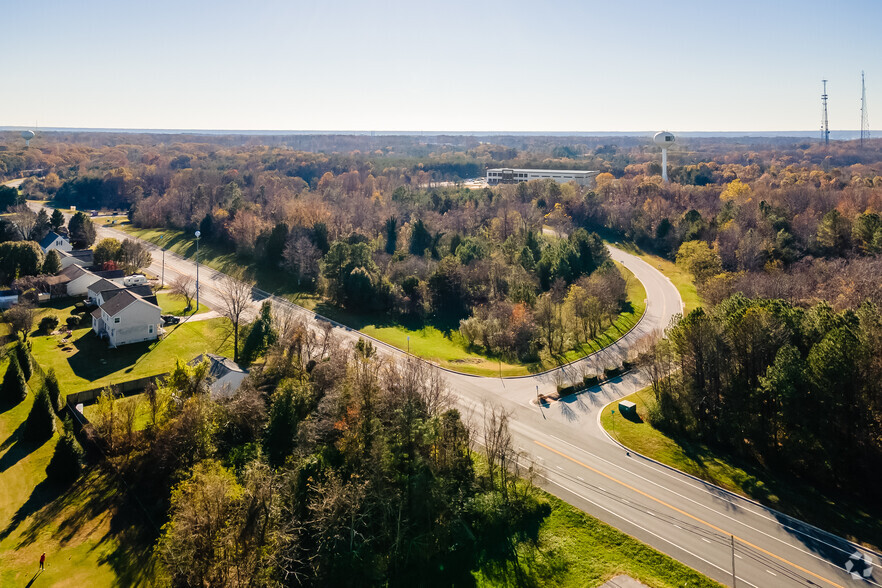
780, 365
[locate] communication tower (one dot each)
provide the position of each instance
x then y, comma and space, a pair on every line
865, 121
825, 127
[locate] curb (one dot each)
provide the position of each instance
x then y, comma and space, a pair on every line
725, 490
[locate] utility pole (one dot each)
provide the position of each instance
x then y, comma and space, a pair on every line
865, 122
733, 561
198, 234
825, 126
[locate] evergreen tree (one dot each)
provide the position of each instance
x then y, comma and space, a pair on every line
41, 421
420, 238
41, 226
82, 231
391, 235
14, 388
25, 359
54, 390
261, 336
52, 263
67, 461
56, 221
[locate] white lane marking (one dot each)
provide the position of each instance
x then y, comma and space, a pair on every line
580, 478
738, 556
771, 572
727, 571
706, 540
560, 468
741, 502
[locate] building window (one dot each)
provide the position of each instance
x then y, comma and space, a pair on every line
116, 320
150, 329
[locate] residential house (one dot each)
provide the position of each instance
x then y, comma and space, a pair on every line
144, 291
126, 318
95, 289
8, 298
78, 280
224, 376
55, 241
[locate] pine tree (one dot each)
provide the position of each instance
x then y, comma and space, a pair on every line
14, 388
261, 336
54, 390
25, 360
52, 263
67, 461
41, 421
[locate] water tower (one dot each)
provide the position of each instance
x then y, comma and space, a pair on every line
27, 136
664, 139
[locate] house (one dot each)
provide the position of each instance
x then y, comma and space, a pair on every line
224, 376
8, 298
81, 257
126, 318
55, 241
78, 280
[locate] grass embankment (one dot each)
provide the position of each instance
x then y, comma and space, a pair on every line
83, 362
682, 280
72, 526
439, 343
170, 304
142, 411
837, 514
575, 549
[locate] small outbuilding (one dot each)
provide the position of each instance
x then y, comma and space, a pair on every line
628, 408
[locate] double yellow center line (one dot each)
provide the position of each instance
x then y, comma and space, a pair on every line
686, 514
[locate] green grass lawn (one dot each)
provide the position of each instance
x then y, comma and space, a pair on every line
72, 526
142, 410
444, 345
83, 362
575, 549
184, 244
837, 514
174, 305
682, 280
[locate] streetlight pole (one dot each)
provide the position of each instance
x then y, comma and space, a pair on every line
162, 280
198, 234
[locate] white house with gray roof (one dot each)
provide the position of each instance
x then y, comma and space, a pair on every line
127, 318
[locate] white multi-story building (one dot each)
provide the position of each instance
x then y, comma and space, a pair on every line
505, 175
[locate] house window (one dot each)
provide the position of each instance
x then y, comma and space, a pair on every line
150, 329
116, 320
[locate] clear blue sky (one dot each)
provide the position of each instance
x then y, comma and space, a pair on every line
452, 65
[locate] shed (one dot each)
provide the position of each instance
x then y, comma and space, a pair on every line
628, 408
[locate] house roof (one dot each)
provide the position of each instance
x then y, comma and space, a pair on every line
144, 291
49, 239
78, 253
56, 280
96, 313
103, 285
225, 375
74, 271
121, 301
110, 274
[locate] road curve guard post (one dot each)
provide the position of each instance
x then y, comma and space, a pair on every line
628, 409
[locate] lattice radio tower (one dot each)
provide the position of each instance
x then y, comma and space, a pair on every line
825, 127
865, 121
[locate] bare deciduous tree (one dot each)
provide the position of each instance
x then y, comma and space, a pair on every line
24, 219
236, 298
184, 287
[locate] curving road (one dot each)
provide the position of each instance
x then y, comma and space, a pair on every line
693, 521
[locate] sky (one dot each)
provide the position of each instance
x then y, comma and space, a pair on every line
453, 65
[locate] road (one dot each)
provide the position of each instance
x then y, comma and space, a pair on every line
695, 522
